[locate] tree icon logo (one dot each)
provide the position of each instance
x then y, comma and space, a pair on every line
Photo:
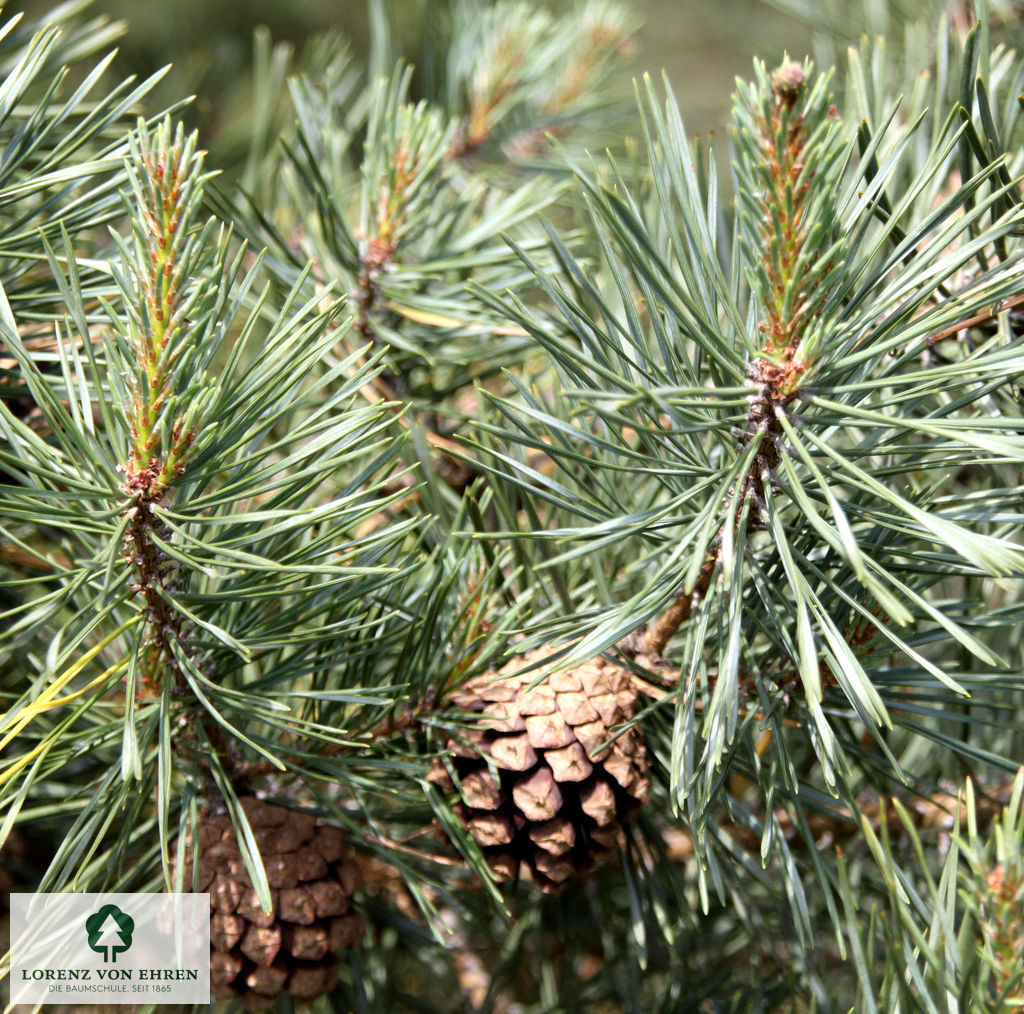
110, 931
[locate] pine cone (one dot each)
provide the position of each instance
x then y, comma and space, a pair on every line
560, 798
257, 955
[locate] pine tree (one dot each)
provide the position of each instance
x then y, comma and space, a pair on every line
470, 558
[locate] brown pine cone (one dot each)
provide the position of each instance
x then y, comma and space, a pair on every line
256, 955
561, 793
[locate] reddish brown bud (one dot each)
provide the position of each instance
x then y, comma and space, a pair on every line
788, 81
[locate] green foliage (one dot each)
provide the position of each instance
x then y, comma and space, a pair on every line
789, 395
520, 73
764, 452
225, 489
399, 202
63, 137
404, 234
952, 937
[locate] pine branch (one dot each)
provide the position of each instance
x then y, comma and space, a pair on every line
653, 641
167, 176
528, 78
782, 183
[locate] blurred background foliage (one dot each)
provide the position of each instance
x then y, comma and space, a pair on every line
702, 46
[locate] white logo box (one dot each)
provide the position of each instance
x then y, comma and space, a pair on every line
110, 948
